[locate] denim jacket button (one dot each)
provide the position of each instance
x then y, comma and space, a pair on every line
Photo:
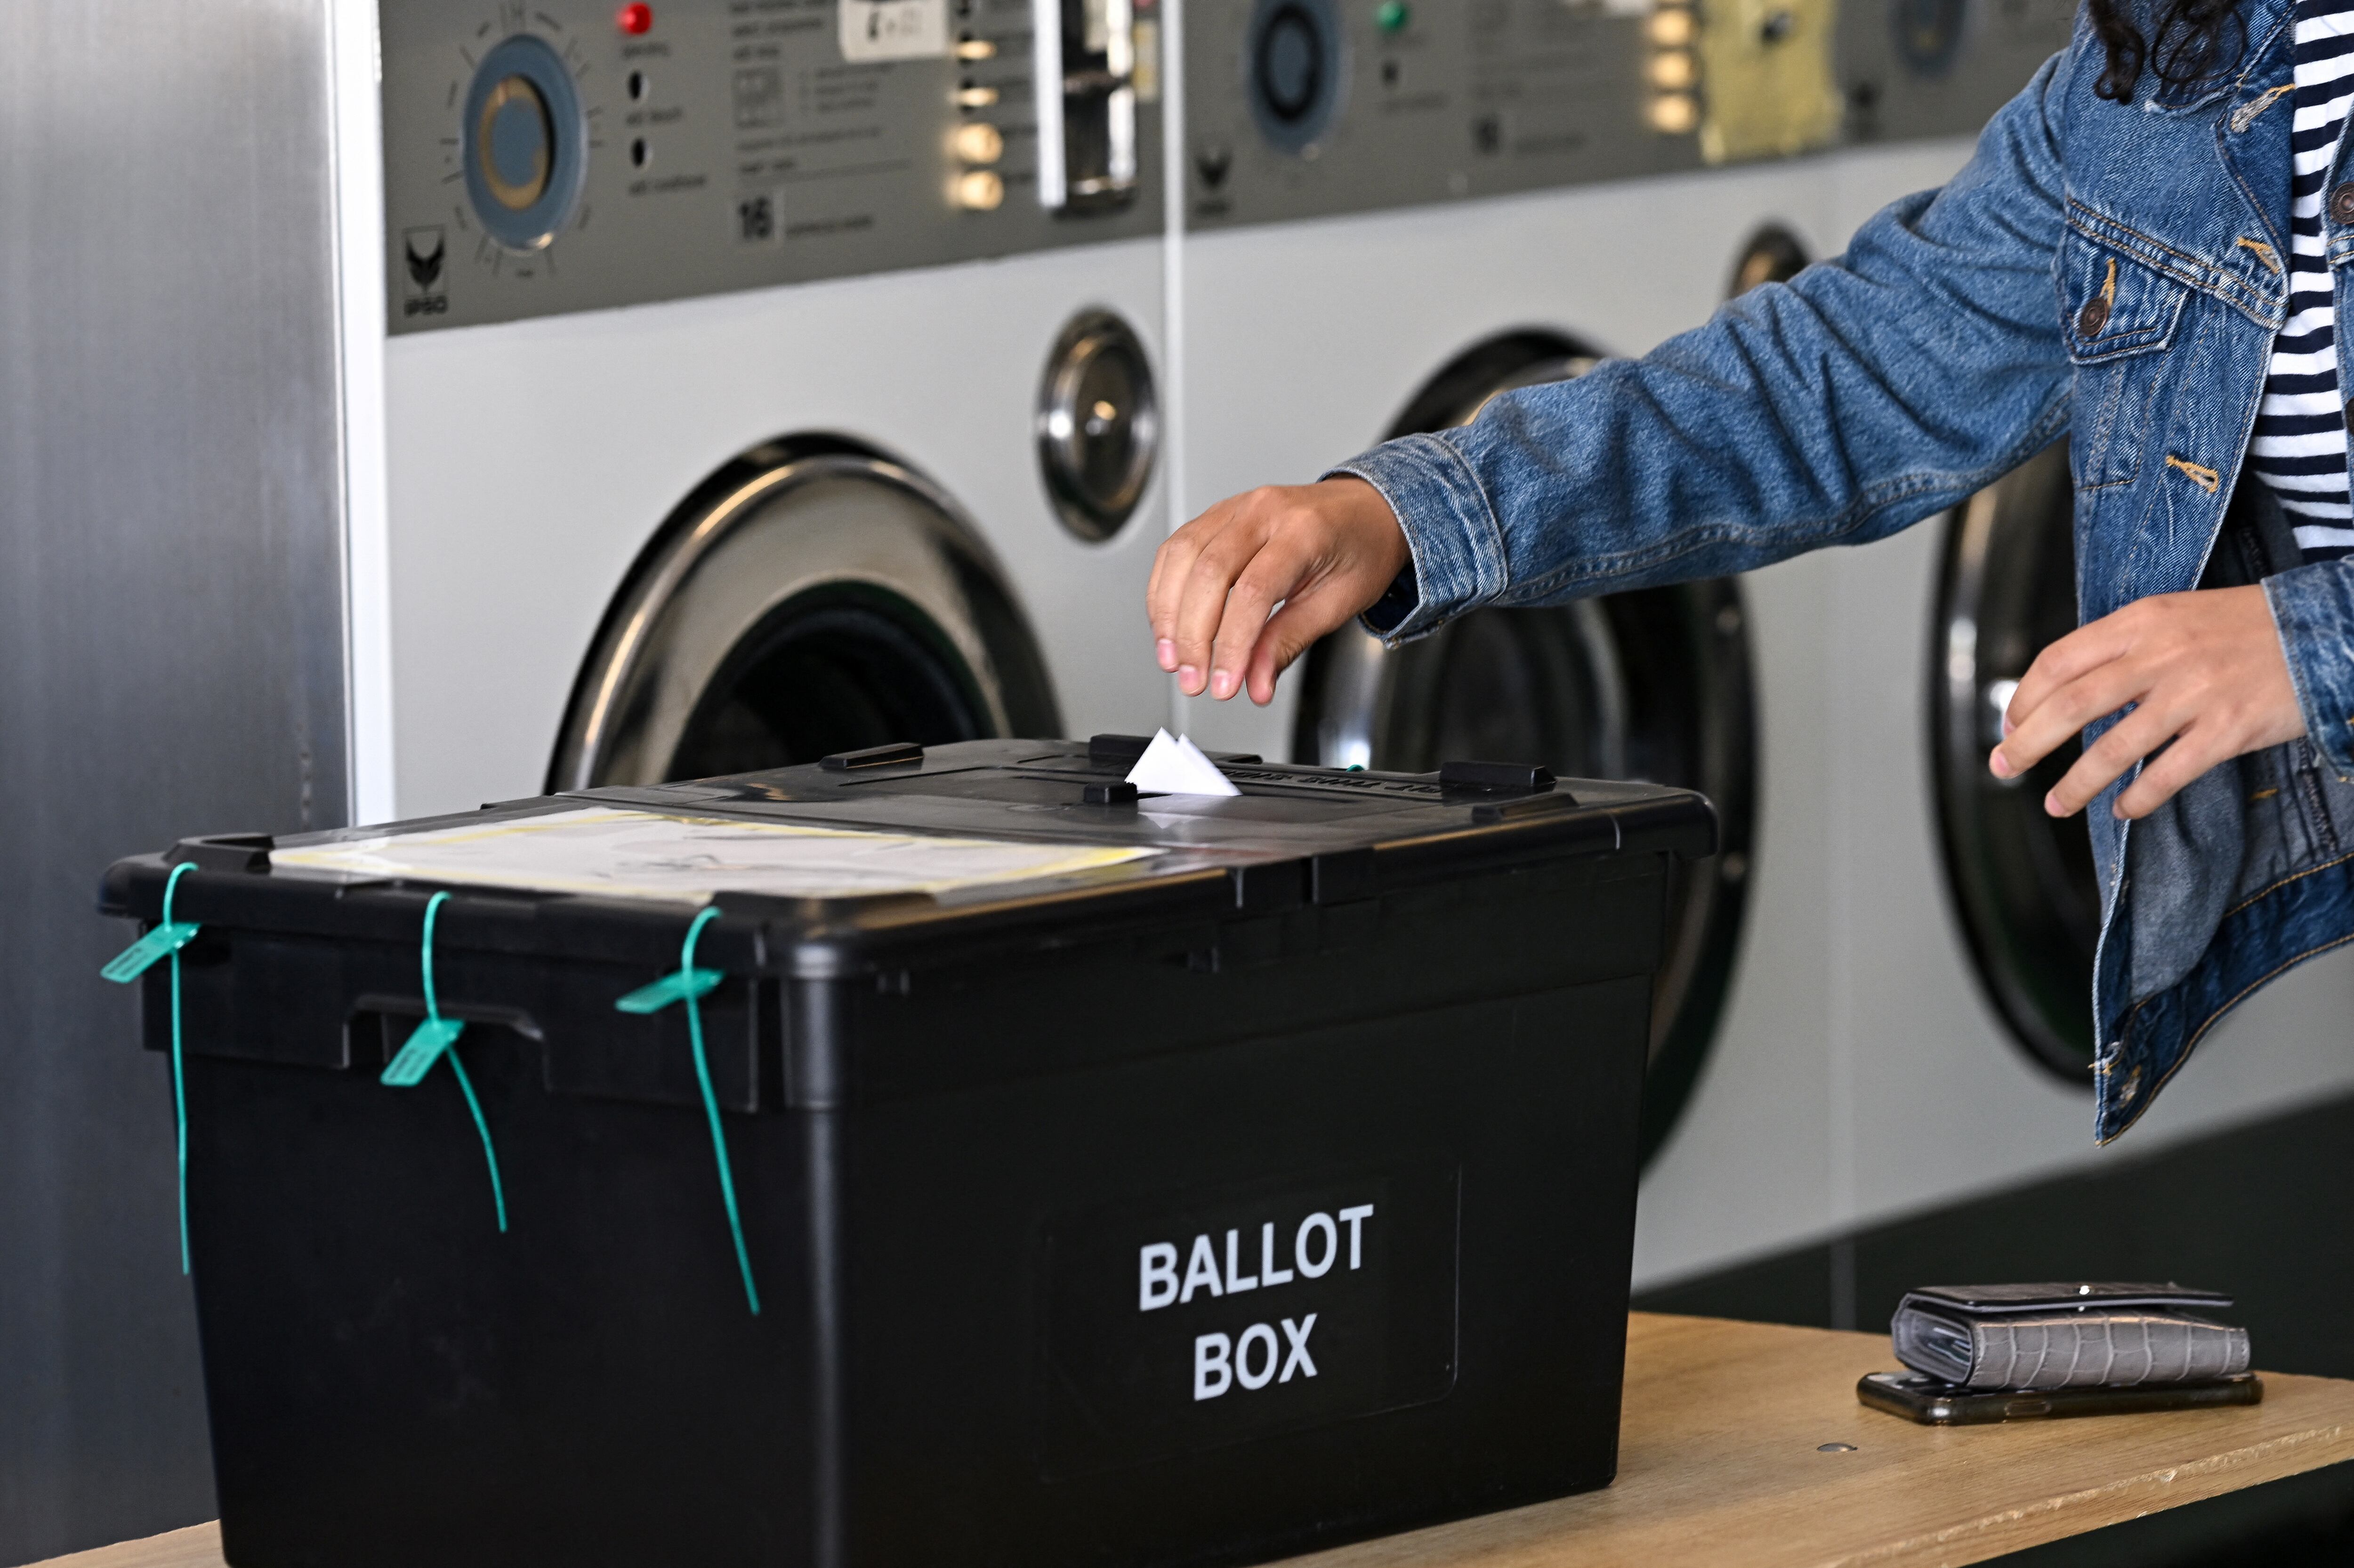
2341, 204
2095, 314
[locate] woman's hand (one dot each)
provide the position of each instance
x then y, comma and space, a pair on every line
1324, 552
2205, 672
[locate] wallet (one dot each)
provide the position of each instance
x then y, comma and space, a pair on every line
2066, 1336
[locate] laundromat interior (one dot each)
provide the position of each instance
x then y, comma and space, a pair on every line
423, 411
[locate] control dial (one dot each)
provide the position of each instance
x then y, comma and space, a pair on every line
1295, 64
522, 143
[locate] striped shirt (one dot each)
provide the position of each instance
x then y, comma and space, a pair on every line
2299, 448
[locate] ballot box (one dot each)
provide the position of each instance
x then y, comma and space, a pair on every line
929, 1156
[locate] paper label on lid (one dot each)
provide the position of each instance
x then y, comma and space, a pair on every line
893, 29
642, 854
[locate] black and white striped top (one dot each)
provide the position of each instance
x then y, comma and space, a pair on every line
2299, 449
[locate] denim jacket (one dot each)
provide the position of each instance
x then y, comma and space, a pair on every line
2112, 273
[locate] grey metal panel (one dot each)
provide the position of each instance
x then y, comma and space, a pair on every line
731, 146
1913, 69
171, 644
1468, 99
1465, 101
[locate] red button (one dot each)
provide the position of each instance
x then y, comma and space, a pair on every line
636, 19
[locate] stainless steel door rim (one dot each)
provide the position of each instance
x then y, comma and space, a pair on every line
902, 619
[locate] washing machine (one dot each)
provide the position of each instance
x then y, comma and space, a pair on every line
737, 382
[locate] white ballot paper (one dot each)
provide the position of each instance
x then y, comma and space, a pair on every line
639, 855
1176, 767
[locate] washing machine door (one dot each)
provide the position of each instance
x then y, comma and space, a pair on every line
2022, 882
1652, 685
812, 597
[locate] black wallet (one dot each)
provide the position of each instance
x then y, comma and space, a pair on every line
2066, 1336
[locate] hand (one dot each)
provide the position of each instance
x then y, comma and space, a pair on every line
1324, 552
2205, 672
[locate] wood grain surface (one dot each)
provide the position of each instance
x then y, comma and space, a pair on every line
198, 1546
1719, 1463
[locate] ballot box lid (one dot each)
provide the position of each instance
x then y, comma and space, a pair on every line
905, 853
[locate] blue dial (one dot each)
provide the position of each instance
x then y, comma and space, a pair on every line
1297, 66
524, 144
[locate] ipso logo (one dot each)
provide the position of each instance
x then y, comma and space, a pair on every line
1255, 1358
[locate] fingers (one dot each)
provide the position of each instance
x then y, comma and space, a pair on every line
2073, 656
1274, 572
2203, 674
1294, 629
2088, 665
2194, 751
2124, 743
1204, 594
1172, 564
2035, 732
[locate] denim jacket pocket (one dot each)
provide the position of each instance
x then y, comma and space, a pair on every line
2112, 306
2117, 316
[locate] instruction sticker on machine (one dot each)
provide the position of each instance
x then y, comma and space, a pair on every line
893, 29
642, 854
1203, 1323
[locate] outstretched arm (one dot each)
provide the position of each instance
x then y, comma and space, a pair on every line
1872, 391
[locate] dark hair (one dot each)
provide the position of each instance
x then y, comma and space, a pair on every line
2193, 41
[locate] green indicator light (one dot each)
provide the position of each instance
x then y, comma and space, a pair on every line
1392, 16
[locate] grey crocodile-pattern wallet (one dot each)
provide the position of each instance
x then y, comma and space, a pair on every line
2038, 1345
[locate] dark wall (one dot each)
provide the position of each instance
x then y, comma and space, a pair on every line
2259, 1211
170, 660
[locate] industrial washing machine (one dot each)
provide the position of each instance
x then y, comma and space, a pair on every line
733, 384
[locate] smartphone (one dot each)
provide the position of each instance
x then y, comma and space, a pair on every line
1924, 1399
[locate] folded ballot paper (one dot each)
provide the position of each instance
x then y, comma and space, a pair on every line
641, 854
2066, 1336
1175, 765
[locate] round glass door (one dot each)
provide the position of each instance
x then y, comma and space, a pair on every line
2024, 883
810, 598
1652, 685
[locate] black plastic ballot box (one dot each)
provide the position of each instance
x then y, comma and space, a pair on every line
1173, 1180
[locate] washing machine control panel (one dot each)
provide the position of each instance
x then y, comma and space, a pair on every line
1912, 69
1297, 108
571, 155
1301, 108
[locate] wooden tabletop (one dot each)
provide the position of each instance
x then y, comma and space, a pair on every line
1719, 1463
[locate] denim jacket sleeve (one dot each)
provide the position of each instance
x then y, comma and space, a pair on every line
2313, 608
1872, 391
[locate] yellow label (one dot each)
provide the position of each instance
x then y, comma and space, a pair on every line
1765, 78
